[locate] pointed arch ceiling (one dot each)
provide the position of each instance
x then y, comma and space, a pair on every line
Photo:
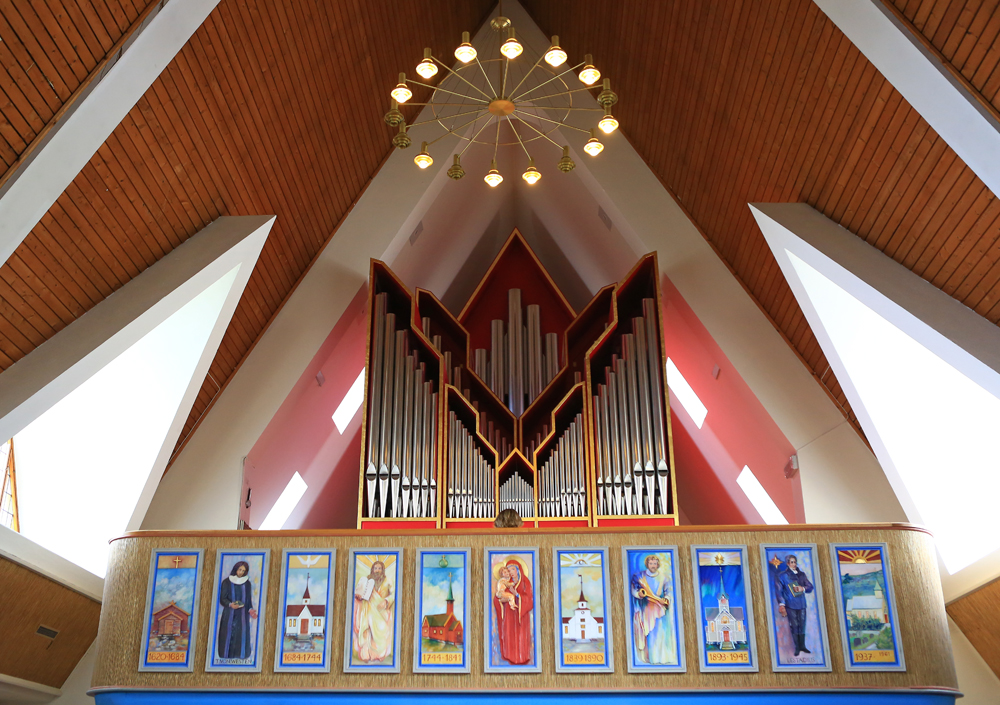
276, 108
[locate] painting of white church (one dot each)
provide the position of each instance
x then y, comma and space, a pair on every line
305, 620
583, 631
724, 626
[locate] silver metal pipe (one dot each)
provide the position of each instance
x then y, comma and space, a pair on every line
515, 355
624, 429
598, 456
656, 373
609, 487
571, 438
407, 440
427, 451
635, 423
416, 506
551, 357
581, 466
447, 366
374, 401
614, 442
436, 342
534, 343
388, 381
642, 365
481, 364
432, 496
395, 470
425, 326
452, 465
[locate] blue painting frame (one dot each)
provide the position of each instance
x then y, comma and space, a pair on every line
290, 614
184, 589
734, 578
576, 557
258, 577
462, 612
861, 554
491, 641
632, 557
368, 556
780, 627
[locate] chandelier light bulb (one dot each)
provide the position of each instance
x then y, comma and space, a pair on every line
465, 51
593, 146
493, 177
423, 160
401, 93
511, 48
555, 56
566, 164
427, 68
588, 74
608, 124
531, 174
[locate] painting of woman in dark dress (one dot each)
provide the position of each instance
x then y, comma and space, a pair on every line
236, 599
240, 589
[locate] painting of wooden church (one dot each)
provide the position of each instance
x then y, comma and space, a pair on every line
170, 621
724, 627
305, 620
446, 627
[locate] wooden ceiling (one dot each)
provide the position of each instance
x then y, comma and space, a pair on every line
270, 108
31, 601
976, 615
276, 108
732, 102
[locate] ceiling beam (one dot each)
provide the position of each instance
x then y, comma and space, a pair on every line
96, 110
949, 104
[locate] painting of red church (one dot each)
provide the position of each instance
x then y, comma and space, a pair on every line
445, 628
170, 621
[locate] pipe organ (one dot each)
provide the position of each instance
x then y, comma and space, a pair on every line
517, 402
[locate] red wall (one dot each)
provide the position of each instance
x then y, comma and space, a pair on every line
737, 431
303, 438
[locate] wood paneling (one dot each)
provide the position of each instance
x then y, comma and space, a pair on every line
923, 625
976, 615
733, 102
49, 51
270, 108
31, 600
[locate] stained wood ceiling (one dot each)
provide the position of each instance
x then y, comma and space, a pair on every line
270, 108
275, 108
732, 102
976, 615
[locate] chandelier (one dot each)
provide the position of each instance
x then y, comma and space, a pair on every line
499, 97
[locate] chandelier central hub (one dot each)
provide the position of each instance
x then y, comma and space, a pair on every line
501, 107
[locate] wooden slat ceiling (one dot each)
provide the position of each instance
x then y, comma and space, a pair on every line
31, 601
976, 615
276, 108
48, 51
270, 108
732, 102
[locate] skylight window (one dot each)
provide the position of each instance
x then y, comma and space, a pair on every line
685, 394
83, 464
933, 428
282, 509
352, 402
759, 497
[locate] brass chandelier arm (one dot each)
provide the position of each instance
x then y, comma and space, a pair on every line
444, 117
561, 124
454, 130
485, 125
462, 78
511, 123
525, 122
525, 76
486, 76
503, 86
496, 146
556, 95
557, 76
462, 105
444, 90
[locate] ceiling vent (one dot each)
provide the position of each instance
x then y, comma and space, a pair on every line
46, 632
416, 232
605, 218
